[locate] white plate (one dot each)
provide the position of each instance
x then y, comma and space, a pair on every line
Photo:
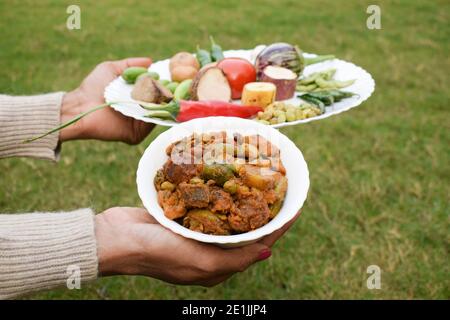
155, 156
119, 90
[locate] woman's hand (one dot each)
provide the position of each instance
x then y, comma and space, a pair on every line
105, 124
131, 242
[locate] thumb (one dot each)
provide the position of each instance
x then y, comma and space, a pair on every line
240, 259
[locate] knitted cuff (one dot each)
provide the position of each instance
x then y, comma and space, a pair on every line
46, 250
24, 117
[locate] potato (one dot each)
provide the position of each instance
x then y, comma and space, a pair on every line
260, 178
181, 73
183, 59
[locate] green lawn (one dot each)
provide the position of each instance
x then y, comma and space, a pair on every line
379, 173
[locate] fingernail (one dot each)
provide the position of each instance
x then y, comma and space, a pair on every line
266, 253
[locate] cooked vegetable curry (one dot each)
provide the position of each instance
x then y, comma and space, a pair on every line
222, 184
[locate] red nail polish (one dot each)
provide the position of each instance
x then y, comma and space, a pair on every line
266, 253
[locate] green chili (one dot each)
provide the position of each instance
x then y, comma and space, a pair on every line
216, 50
203, 56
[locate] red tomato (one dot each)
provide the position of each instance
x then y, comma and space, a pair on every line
239, 72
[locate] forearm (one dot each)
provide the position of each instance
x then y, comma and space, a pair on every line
23, 117
36, 250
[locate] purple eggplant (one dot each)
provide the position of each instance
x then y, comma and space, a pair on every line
280, 55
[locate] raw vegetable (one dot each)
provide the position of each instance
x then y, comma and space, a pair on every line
333, 84
203, 56
206, 66
150, 90
211, 84
319, 81
216, 50
184, 110
317, 102
151, 74
318, 59
280, 55
130, 74
172, 86
280, 112
325, 97
259, 94
182, 90
284, 79
287, 56
183, 59
239, 72
179, 110
181, 73
164, 82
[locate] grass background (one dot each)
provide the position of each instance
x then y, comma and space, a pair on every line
379, 174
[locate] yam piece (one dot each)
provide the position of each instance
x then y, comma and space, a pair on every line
259, 94
284, 79
211, 84
150, 90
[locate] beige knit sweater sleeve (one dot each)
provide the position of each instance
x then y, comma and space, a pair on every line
40, 250
25, 117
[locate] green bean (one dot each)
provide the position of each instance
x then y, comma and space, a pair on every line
345, 83
328, 74
130, 74
216, 50
323, 96
203, 56
317, 59
314, 101
164, 82
333, 83
310, 79
306, 88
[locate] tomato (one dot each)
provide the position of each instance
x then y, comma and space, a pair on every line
239, 72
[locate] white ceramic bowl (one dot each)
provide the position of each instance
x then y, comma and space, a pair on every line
296, 172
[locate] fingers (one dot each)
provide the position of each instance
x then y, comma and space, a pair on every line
272, 238
239, 259
139, 131
121, 65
